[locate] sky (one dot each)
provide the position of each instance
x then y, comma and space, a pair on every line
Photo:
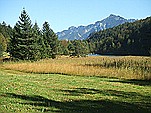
61, 14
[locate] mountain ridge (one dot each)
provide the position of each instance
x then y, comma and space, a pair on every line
126, 39
82, 32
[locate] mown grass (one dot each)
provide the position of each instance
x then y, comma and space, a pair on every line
24, 92
129, 67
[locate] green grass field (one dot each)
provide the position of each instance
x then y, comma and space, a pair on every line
25, 92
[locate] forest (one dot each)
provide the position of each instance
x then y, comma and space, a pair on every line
26, 41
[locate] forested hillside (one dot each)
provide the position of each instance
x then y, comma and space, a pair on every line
127, 39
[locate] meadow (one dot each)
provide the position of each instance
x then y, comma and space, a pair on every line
126, 67
77, 85
23, 93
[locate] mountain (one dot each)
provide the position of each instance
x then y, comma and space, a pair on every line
82, 32
126, 39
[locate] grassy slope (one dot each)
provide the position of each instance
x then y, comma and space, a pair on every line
22, 92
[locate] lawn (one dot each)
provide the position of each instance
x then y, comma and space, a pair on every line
28, 92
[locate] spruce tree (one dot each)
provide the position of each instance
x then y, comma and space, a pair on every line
38, 42
22, 43
47, 53
50, 41
54, 44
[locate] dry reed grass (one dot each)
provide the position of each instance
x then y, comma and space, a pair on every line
120, 67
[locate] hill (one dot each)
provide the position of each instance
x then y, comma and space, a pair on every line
127, 39
82, 32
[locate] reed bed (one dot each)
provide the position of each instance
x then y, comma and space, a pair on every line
129, 67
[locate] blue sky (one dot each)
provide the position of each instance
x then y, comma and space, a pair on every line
62, 14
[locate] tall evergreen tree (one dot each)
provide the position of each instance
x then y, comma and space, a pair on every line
50, 41
46, 36
38, 42
22, 43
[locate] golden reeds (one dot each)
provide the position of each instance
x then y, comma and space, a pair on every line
121, 67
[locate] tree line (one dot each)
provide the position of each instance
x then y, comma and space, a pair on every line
26, 41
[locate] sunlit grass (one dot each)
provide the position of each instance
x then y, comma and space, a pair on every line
26, 92
120, 67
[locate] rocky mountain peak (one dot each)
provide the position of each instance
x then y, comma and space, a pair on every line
82, 32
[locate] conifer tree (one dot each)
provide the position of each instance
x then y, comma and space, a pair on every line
22, 43
38, 42
50, 41
46, 36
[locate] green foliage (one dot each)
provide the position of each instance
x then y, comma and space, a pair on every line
7, 32
29, 43
22, 43
79, 48
71, 47
3, 44
127, 39
74, 48
50, 41
38, 42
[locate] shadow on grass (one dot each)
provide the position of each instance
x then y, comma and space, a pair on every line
83, 91
84, 106
135, 82
80, 91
